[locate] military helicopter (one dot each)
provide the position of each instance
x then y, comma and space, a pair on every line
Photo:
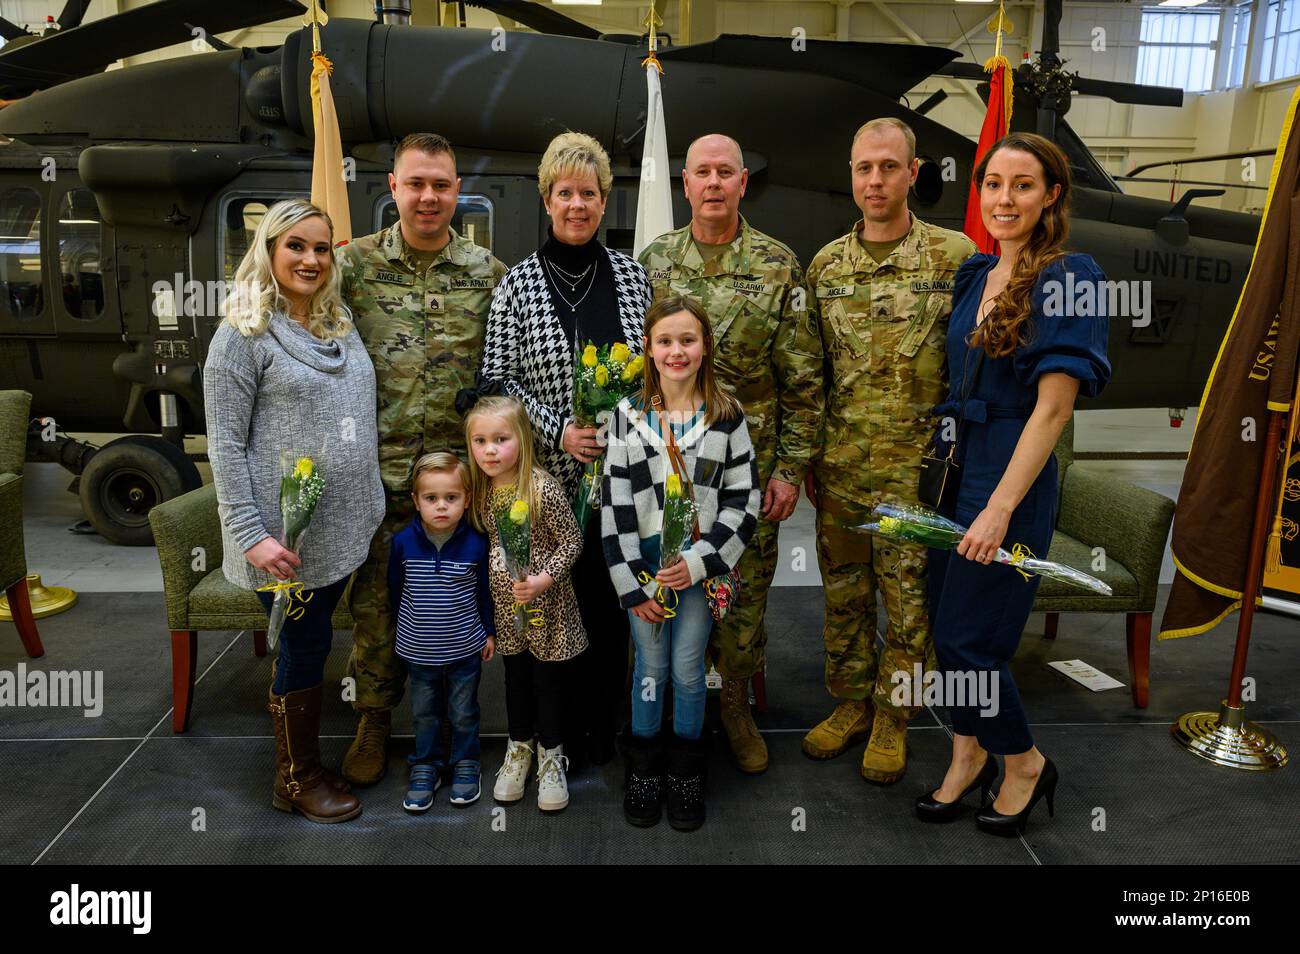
128, 197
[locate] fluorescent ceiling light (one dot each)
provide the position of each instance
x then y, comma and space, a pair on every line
1180, 3
584, 3
974, 1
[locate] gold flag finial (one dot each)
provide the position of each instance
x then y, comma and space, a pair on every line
315, 18
651, 21
1000, 26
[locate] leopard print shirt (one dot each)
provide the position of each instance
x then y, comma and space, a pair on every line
555, 546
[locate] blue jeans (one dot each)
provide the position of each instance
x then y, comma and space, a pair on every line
305, 641
455, 688
679, 647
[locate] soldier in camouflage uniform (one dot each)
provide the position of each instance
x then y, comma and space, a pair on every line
419, 294
769, 355
883, 294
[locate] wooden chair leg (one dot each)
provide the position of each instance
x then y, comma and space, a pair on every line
259, 642
1050, 623
1138, 630
759, 682
20, 605
185, 655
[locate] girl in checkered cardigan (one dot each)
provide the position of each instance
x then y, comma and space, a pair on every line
681, 405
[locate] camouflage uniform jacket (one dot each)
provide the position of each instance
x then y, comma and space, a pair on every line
883, 326
424, 331
768, 352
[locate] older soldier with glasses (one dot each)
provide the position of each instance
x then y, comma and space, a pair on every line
420, 295
770, 357
884, 293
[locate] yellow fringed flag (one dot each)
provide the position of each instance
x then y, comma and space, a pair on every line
329, 191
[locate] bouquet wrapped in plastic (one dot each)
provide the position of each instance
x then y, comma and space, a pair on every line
674, 537
924, 526
602, 377
514, 530
300, 490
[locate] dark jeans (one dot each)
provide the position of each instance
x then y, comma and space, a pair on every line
305, 641
453, 688
536, 693
603, 667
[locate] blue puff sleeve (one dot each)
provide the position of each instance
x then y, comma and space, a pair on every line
966, 273
1070, 326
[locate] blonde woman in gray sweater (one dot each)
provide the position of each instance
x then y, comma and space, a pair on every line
287, 376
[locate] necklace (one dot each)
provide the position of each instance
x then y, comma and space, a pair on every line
573, 305
570, 278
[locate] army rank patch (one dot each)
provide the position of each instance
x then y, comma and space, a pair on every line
433, 301
933, 285
484, 283
388, 275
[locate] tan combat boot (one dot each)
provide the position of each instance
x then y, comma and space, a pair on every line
747, 746
850, 722
885, 759
367, 756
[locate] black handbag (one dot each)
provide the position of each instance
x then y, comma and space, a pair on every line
939, 479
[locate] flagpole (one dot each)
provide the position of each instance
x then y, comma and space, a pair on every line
1225, 737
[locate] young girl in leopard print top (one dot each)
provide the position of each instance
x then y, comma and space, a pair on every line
539, 661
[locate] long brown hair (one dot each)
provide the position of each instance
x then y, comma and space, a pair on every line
1006, 327
510, 410
718, 404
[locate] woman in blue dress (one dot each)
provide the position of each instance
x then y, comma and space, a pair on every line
1024, 340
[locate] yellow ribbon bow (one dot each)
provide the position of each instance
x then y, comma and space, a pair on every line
536, 616
1018, 554
661, 595
294, 589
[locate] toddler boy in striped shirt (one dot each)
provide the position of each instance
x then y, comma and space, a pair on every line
438, 586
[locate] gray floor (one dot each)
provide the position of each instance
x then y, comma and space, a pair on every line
123, 788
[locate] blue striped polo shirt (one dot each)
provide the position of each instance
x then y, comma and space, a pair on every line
440, 596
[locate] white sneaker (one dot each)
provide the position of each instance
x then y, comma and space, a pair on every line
552, 787
512, 776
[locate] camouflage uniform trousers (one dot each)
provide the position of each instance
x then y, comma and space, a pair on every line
380, 674
737, 646
854, 564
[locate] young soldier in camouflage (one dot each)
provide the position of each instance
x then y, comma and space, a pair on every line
883, 293
419, 293
769, 356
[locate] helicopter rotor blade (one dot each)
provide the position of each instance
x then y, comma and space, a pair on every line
10, 30
72, 13
537, 17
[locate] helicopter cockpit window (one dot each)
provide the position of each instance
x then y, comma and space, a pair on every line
80, 234
473, 218
240, 219
21, 284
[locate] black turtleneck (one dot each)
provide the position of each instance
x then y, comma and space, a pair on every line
597, 313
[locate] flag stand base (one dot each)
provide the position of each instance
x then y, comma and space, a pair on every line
1226, 738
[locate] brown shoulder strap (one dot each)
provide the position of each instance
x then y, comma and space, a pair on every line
676, 459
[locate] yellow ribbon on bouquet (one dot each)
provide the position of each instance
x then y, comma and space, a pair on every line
661, 595
294, 589
1018, 554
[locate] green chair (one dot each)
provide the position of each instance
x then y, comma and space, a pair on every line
14, 407
187, 532
1130, 525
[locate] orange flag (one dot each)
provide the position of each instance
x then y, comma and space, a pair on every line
328, 189
997, 122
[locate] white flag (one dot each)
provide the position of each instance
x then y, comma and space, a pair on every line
654, 206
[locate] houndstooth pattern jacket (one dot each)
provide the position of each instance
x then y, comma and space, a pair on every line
527, 350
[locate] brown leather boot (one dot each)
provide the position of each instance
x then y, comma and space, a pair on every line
300, 784
333, 779
367, 756
747, 747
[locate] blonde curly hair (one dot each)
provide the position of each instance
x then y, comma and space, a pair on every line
256, 294
573, 153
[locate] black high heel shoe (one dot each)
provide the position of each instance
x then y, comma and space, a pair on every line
930, 809
1009, 826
